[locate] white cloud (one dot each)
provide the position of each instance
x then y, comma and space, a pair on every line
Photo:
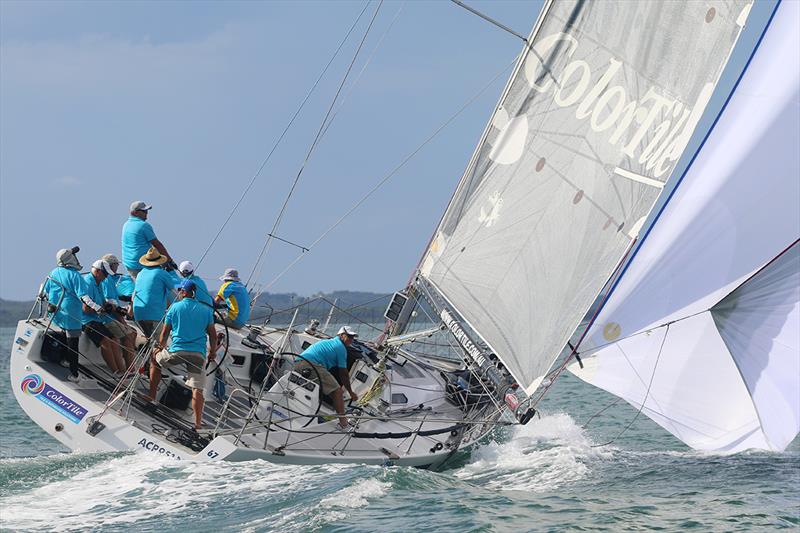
67, 181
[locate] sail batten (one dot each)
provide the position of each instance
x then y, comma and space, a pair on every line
594, 118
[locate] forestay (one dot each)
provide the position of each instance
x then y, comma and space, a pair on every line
703, 329
589, 128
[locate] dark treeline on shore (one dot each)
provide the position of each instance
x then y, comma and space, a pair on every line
350, 306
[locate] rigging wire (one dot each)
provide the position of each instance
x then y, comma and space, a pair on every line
364, 67
489, 19
282, 135
646, 395
311, 149
389, 175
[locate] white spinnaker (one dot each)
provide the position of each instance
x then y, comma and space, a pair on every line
728, 374
575, 155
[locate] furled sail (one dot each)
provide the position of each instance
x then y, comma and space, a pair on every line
703, 329
598, 111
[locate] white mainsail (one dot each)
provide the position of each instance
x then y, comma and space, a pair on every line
588, 130
703, 329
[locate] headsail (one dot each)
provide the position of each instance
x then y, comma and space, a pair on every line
703, 329
593, 119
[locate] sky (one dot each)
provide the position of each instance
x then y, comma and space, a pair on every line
179, 103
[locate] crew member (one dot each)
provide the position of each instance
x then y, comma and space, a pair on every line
326, 355
97, 316
124, 333
188, 322
186, 270
153, 288
234, 295
65, 289
137, 237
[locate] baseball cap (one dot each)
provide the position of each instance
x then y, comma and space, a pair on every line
139, 205
186, 285
186, 267
103, 267
347, 330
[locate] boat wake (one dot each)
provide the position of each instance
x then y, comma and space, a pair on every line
539, 457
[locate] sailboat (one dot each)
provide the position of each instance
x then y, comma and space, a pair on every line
545, 225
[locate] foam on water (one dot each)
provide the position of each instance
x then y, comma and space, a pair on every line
543, 476
538, 457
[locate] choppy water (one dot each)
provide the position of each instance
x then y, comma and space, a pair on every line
547, 476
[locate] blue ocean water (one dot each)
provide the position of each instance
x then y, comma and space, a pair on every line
547, 476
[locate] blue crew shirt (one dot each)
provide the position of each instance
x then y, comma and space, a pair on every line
201, 293
95, 292
329, 353
176, 279
189, 320
235, 295
136, 237
70, 310
124, 285
153, 285
109, 287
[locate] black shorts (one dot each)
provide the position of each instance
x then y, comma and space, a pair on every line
96, 332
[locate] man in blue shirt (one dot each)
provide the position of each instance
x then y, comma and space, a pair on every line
137, 237
96, 318
65, 290
234, 294
189, 323
324, 356
153, 287
125, 334
186, 270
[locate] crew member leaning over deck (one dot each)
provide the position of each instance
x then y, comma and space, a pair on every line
234, 294
153, 288
65, 289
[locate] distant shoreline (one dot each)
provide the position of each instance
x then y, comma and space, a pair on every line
351, 306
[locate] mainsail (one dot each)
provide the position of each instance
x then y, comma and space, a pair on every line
702, 331
599, 109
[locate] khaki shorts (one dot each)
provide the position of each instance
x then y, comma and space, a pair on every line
118, 329
329, 383
195, 365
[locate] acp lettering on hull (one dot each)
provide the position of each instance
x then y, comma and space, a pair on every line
151, 446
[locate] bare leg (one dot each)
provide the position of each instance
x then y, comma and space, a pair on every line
197, 405
155, 378
107, 351
128, 348
338, 403
116, 350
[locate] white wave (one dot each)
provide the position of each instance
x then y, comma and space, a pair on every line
356, 495
125, 490
541, 456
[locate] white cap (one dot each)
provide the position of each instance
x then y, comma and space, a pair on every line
103, 266
347, 330
186, 267
139, 205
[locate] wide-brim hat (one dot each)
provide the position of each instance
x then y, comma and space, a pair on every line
153, 258
231, 274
